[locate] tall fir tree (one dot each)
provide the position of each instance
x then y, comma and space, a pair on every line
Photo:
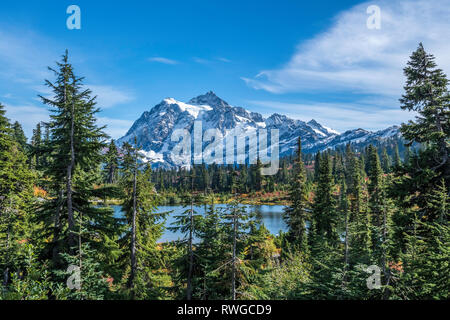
375, 190
187, 223
296, 213
359, 227
19, 135
36, 147
111, 163
386, 161
74, 149
324, 215
426, 92
144, 226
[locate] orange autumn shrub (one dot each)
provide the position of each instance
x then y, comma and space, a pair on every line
39, 192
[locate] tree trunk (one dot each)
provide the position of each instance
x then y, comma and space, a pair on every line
6, 271
133, 230
57, 228
71, 220
346, 242
386, 271
233, 276
191, 260
191, 253
80, 256
5, 277
111, 173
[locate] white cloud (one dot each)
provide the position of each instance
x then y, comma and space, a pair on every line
349, 57
163, 60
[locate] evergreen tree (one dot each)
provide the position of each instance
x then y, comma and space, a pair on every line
359, 227
344, 208
19, 136
426, 92
327, 271
243, 180
90, 281
324, 216
423, 274
211, 251
144, 226
386, 161
296, 214
397, 159
32, 281
257, 178
74, 151
36, 147
316, 166
187, 224
112, 163
235, 218
16, 192
375, 190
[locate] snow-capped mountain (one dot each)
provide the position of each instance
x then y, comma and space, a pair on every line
358, 138
153, 130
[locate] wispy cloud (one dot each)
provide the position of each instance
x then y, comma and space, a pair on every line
109, 96
24, 56
163, 60
349, 57
210, 61
201, 60
30, 115
27, 115
224, 59
116, 128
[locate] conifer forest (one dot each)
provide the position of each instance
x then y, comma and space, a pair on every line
363, 223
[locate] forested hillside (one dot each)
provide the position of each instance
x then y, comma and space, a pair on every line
363, 223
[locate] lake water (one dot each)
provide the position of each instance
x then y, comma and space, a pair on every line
271, 216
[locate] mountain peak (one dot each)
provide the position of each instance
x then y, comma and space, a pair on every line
324, 130
155, 128
210, 99
170, 101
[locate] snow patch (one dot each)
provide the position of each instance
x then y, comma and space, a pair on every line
193, 110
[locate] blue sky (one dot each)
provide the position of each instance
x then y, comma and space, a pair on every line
306, 59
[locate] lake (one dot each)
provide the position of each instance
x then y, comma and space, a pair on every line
271, 216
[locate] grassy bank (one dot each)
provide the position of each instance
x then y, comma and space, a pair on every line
254, 198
